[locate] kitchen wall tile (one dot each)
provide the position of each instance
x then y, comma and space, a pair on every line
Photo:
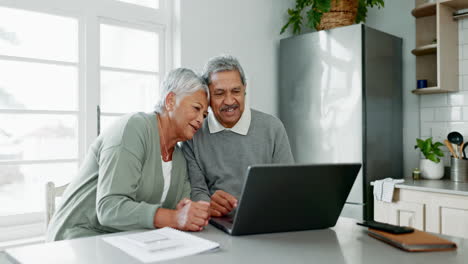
427, 114
461, 127
433, 100
439, 131
463, 53
426, 130
448, 114
455, 98
465, 82
464, 70
442, 114
455, 114
460, 34
464, 23
460, 51
463, 36
460, 67
458, 99
460, 82
465, 113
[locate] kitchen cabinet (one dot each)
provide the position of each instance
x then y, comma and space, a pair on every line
438, 211
436, 48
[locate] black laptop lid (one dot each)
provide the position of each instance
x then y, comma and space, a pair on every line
278, 198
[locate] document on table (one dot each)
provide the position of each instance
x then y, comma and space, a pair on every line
162, 244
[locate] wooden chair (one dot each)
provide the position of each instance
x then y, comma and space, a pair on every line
51, 193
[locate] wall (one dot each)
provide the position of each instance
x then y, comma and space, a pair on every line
249, 30
397, 20
443, 113
246, 29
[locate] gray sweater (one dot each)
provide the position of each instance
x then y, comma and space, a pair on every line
219, 161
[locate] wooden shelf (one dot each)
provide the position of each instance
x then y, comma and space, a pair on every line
437, 63
456, 4
424, 10
424, 50
430, 90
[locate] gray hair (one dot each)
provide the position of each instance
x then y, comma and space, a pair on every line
220, 64
181, 82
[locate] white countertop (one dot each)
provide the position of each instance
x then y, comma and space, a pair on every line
437, 186
346, 243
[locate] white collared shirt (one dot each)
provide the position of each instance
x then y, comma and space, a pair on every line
241, 127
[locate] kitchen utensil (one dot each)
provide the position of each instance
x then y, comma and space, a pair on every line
459, 170
455, 138
462, 152
450, 148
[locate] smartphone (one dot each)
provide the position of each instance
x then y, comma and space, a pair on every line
394, 229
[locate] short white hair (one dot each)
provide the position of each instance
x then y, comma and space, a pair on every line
181, 82
222, 63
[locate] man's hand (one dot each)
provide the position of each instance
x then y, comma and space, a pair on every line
192, 216
222, 203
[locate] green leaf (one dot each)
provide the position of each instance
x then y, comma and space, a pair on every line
420, 144
429, 140
322, 5
433, 157
361, 11
427, 147
439, 152
314, 18
283, 29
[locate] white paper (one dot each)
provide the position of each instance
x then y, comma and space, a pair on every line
162, 244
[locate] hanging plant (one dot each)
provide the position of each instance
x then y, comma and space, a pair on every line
326, 14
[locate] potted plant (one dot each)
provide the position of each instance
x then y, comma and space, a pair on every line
326, 14
430, 167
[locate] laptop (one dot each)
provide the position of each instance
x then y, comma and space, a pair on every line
280, 198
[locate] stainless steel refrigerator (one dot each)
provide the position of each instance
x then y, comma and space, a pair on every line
340, 100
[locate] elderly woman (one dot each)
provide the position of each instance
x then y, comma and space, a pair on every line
134, 175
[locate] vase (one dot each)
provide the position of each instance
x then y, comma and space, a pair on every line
431, 170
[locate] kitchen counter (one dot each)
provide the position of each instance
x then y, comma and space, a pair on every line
438, 186
438, 206
346, 243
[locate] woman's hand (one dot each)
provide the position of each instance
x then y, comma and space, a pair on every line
192, 216
188, 216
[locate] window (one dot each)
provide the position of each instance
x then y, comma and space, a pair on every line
148, 3
129, 71
38, 106
56, 68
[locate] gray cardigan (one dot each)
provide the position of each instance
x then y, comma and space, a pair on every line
120, 183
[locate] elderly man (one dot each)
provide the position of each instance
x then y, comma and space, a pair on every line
233, 137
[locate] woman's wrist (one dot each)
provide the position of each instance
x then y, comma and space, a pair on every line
165, 218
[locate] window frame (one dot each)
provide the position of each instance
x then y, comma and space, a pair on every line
89, 15
158, 29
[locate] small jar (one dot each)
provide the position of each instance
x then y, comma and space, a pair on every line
416, 174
